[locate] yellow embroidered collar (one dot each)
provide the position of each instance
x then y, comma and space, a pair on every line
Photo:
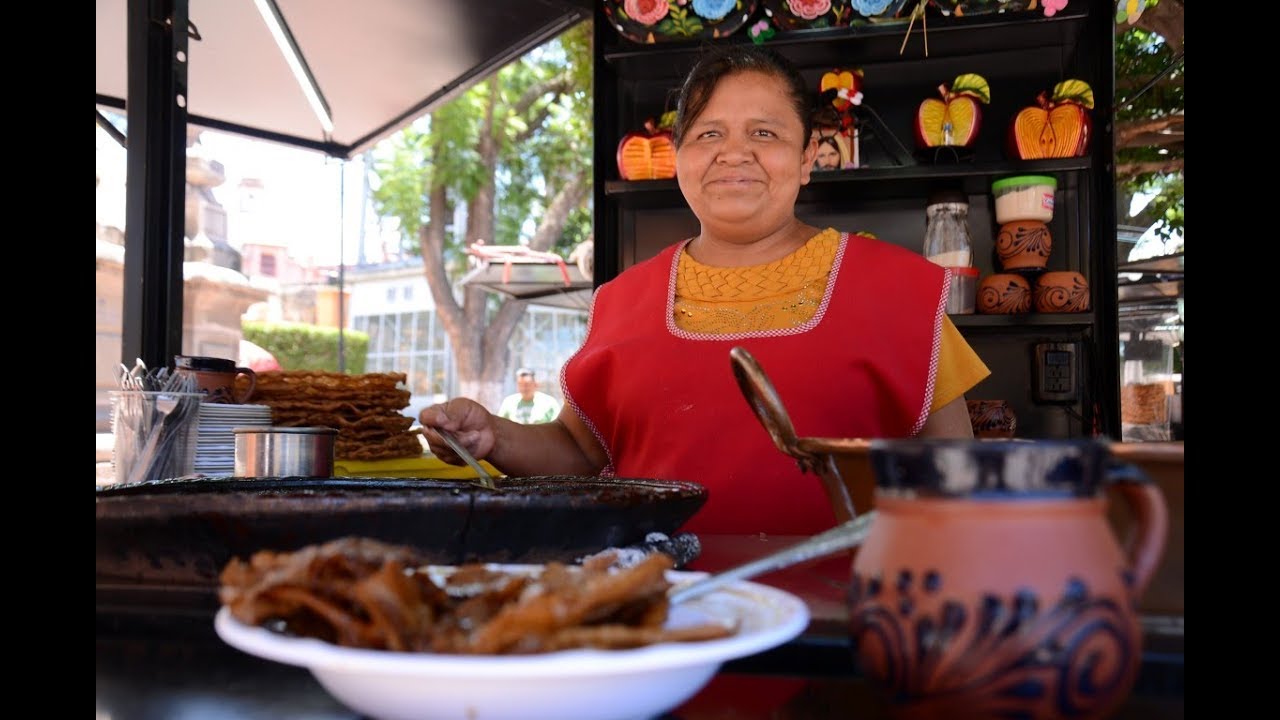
778, 295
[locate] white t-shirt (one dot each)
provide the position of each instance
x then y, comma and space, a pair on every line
542, 408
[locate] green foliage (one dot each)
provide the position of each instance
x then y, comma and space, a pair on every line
298, 346
404, 175
539, 147
1165, 209
1140, 56
679, 21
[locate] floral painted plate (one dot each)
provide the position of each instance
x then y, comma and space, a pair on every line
884, 11
653, 21
804, 14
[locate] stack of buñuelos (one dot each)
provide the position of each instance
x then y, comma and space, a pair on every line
364, 409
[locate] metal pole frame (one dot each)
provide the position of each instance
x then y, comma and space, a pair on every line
155, 196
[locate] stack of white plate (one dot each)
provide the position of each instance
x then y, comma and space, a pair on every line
215, 443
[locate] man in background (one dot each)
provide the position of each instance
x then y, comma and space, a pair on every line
527, 405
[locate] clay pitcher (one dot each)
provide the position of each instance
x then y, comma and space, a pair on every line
991, 585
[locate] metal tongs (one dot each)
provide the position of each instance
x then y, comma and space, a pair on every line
486, 480
841, 537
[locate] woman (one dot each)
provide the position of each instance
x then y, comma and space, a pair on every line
851, 330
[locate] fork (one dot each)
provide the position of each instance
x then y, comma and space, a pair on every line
485, 478
841, 537
143, 461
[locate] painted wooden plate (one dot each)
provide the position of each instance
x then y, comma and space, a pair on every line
805, 14
655, 21
884, 11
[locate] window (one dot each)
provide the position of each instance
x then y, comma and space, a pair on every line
267, 265
544, 340
412, 343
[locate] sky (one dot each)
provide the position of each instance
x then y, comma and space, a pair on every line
310, 203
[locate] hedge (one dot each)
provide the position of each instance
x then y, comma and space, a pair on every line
298, 346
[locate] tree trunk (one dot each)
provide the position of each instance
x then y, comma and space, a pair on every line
480, 217
481, 343
482, 377
1170, 165
1165, 19
496, 344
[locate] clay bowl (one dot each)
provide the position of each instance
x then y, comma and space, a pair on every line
1004, 293
1062, 291
1023, 245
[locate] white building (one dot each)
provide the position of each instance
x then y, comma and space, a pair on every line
392, 303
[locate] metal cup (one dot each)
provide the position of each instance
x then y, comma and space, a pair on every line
284, 451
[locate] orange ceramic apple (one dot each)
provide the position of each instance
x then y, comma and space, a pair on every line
647, 155
1057, 126
954, 120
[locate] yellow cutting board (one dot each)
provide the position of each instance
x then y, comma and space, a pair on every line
422, 466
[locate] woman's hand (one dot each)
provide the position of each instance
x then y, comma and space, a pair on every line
473, 426
564, 446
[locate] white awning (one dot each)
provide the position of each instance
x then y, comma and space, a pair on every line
379, 64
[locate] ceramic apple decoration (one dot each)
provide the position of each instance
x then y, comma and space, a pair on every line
1057, 126
648, 154
954, 120
847, 85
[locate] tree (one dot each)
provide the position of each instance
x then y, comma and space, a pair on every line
514, 152
1149, 114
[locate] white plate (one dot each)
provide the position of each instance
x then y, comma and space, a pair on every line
230, 417
568, 685
230, 407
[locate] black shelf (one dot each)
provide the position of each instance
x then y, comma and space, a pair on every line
1020, 54
868, 183
949, 37
1027, 321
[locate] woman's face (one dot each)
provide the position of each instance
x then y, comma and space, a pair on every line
745, 157
828, 157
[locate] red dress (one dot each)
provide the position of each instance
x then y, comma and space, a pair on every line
664, 403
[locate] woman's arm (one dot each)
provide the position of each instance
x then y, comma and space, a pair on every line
949, 421
564, 446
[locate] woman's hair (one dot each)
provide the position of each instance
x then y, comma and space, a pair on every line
726, 60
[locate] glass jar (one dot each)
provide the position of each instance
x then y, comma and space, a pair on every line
946, 236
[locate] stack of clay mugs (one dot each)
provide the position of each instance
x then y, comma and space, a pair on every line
1024, 208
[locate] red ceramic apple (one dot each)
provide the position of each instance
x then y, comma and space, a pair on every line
648, 154
1058, 126
954, 120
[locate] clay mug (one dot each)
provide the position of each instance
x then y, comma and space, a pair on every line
1004, 293
992, 418
1062, 291
1024, 245
216, 377
991, 585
